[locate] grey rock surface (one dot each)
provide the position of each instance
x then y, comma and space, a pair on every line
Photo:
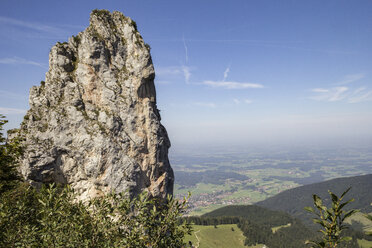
94, 123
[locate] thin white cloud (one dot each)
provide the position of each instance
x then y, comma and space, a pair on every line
226, 73
9, 111
169, 70
232, 85
186, 73
320, 90
330, 95
172, 73
338, 94
205, 104
20, 61
360, 95
348, 79
360, 89
186, 52
30, 25
342, 92
238, 101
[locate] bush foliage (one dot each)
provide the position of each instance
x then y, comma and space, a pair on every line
51, 217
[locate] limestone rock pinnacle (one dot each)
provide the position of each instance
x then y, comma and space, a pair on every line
94, 123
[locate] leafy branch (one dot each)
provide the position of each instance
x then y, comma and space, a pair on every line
331, 220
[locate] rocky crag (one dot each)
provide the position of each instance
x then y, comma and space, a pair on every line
94, 123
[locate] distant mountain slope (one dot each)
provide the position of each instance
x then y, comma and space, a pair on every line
294, 200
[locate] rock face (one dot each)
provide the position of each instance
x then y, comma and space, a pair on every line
94, 123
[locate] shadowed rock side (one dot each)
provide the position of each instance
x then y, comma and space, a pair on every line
94, 122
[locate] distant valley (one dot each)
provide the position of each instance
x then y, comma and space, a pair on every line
223, 178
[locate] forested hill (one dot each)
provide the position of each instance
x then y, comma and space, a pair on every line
294, 200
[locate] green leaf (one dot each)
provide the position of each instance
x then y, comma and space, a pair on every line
42, 203
334, 197
309, 242
346, 239
309, 209
345, 203
343, 194
316, 221
318, 202
349, 214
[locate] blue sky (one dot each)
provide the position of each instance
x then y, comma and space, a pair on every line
227, 72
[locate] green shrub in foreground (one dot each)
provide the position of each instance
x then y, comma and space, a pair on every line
51, 217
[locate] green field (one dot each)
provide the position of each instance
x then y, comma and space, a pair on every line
221, 237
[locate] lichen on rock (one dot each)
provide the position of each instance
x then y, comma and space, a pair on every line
94, 122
